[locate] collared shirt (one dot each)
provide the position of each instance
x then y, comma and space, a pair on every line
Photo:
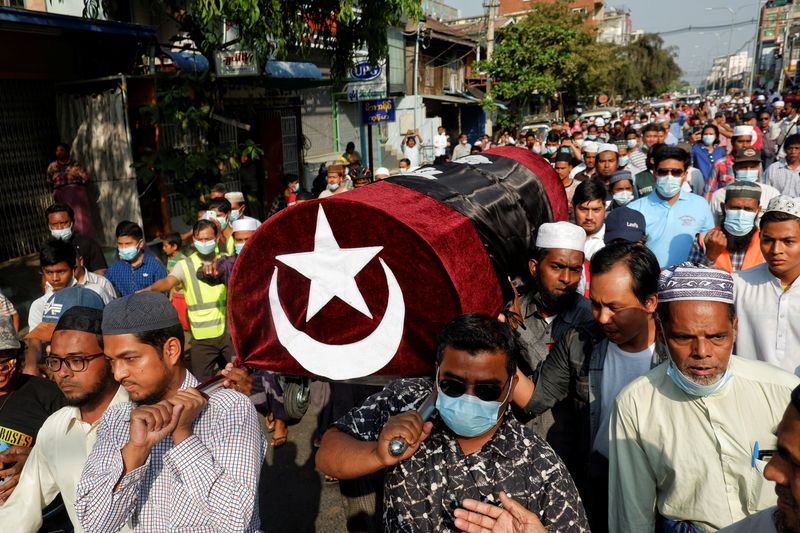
208, 482
768, 192
594, 243
761, 522
128, 279
421, 492
54, 466
440, 143
98, 284
690, 458
769, 329
783, 178
671, 228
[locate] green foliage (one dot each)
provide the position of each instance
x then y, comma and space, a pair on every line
280, 28
551, 50
644, 67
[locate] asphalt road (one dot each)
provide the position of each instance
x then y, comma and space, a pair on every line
294, 496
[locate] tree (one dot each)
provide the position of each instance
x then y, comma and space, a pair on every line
548, 52
644, 67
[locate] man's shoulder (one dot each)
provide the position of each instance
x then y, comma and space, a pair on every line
762, 373
56, 425
756, 275
762, 522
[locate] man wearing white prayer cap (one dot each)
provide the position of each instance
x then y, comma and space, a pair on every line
381, 173
684, 439
607, 161
238, 205
220, 272
589, 365
722, 173
586, 170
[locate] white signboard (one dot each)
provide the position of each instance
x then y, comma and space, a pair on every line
233, 61
367, 82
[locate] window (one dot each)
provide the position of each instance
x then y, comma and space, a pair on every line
771, 17
581, 10
769, 32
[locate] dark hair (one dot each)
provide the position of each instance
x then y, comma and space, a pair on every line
65, 146
716, 131
791, 139
349, 145
651, 126
776, 216
289, 178
405, 160
57, 251
630, 131
127, 228
475, 333
219, 187
60, 208
173, 238
157, 338
203, 224
671, 152
639, 260
589, 190
553, 137
305, 195
220, 204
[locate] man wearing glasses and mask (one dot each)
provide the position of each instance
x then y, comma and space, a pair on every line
470, 448
674, 215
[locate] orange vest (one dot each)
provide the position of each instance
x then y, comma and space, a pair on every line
752, 256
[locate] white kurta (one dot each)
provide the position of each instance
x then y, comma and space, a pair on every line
769, 329
690, 458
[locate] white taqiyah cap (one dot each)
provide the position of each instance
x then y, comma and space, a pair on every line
245, 224
382, 171
561, 235
599, 122
607, 147
742, 131
590, 147
778, 103
235, 197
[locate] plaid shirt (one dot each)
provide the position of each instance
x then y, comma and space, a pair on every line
208, 482
721, 175
128, 279
697, 255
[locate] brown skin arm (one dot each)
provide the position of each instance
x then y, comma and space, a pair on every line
163, 285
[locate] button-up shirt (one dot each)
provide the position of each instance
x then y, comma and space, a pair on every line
690, 458
769, 328
54, 466
671, 228
421, 492
784, 179
128, 279
208, 482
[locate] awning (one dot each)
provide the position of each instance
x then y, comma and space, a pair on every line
449, 99
293, 70
188, 60
11, 15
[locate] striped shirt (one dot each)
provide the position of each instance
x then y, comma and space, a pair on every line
128, 279
208, 482
783, 178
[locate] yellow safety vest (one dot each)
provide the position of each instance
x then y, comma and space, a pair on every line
206, 304
229, 249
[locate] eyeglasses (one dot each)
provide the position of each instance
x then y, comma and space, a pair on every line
76, 363
675, 172
488, 392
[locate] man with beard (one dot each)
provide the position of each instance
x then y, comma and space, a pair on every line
683, 436
586, 369
768, 295
171, 458
735, 245
782, 469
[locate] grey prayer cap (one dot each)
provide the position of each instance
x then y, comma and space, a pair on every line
136, 313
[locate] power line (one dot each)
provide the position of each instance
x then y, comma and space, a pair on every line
688, 29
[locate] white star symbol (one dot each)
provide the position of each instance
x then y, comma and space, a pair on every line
331, 269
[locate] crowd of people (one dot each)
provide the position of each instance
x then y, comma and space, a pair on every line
642, 379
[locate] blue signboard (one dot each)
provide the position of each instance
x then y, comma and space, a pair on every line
364, 71
377, 111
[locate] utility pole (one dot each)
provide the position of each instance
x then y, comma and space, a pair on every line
489, 47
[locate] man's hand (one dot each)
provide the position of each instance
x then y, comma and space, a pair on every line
192, 402
407, 426
13, 459
238, 379
716, 243
210, 269
479, 517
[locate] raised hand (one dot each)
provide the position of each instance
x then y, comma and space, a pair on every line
480, 517
407, 426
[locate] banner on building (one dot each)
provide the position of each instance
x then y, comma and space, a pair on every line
377, 111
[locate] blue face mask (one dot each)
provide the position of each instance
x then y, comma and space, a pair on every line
739, 222
235, 215
211, 215
623, 197
591, 137
668, 186
624, 160
333, 186
708, 140
695, 389
296, 187
631, 143
205, 247
129, 253
551, 149
238, 247
63, 234
467, 415
750, 174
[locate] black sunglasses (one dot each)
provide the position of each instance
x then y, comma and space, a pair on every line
488, 392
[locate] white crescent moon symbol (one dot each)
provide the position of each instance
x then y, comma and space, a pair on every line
343, 361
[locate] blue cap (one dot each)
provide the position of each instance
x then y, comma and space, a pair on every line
626, 224
59, 303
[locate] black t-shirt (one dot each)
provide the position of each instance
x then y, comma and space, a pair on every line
22, 414
93, 258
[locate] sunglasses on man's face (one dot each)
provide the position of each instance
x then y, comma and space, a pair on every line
488, 392
676, 172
